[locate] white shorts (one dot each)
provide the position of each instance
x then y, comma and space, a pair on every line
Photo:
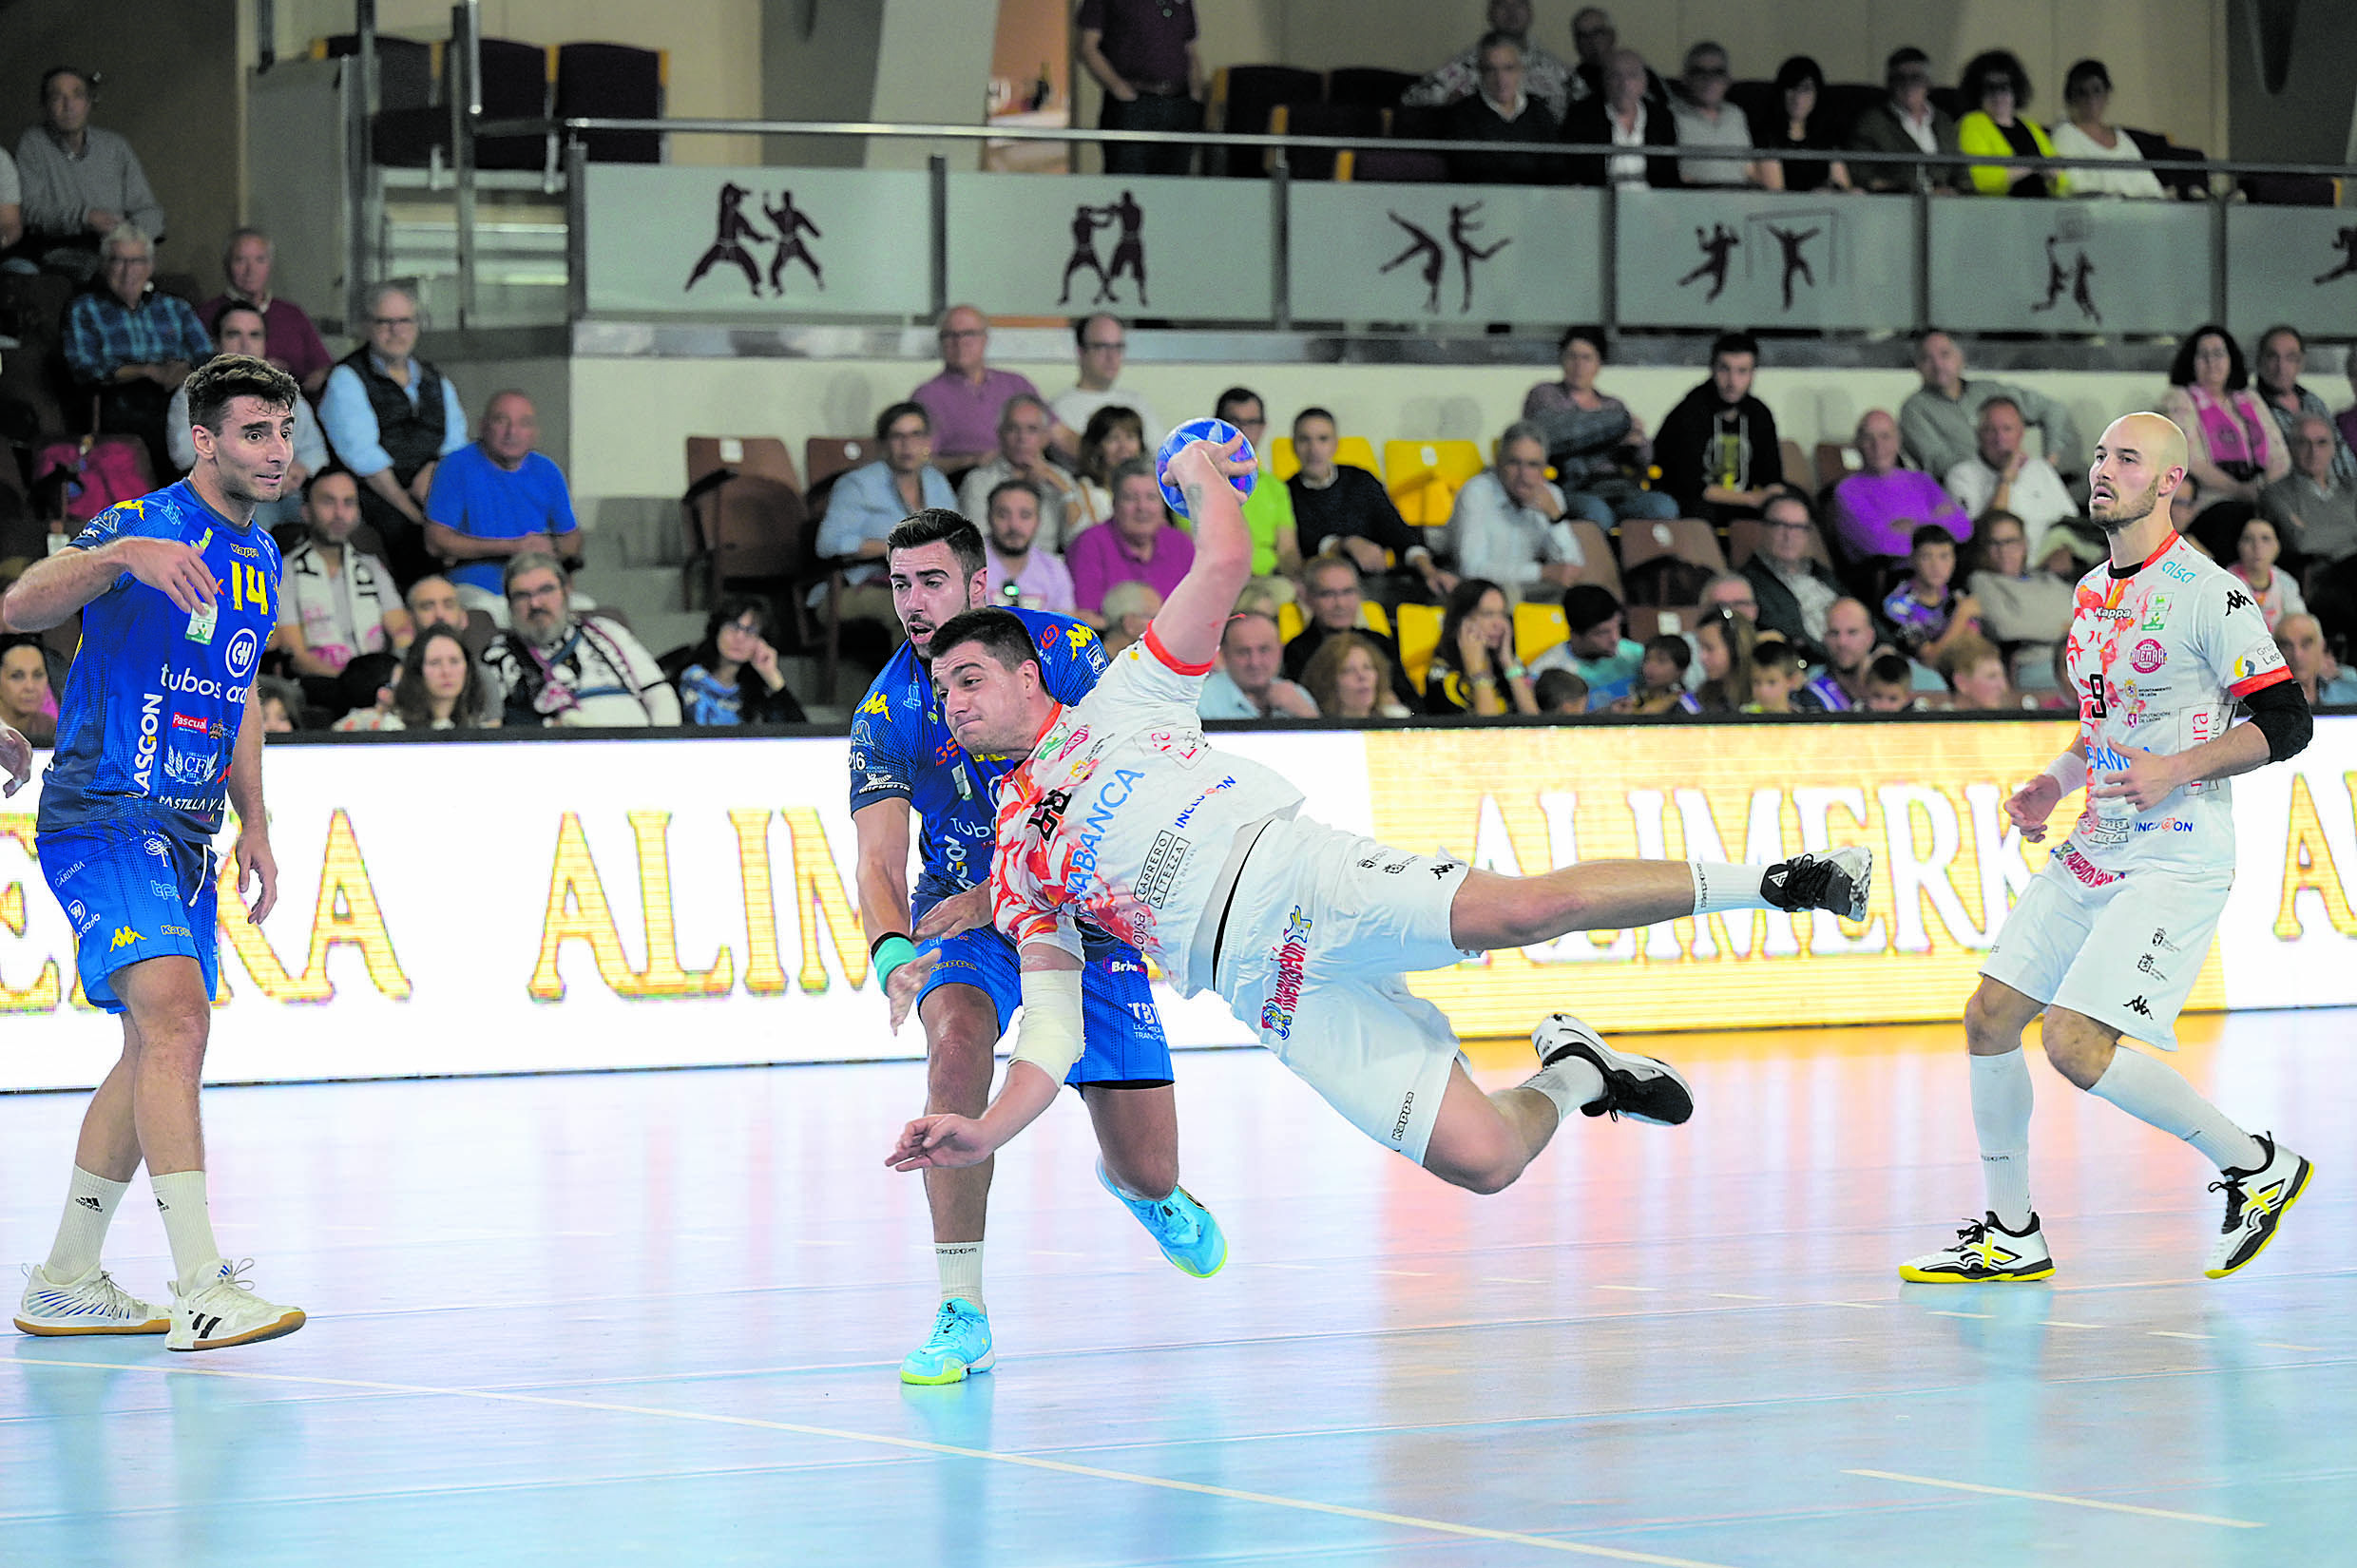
2125, 950
1322, 927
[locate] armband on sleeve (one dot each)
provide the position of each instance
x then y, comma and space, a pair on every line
2280, 712
890, 952
1050, 1036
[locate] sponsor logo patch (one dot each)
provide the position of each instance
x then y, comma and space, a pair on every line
125, 937
188, 722
1292, 952
1160, 872
2150, 656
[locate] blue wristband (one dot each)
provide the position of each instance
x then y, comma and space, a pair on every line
890, 953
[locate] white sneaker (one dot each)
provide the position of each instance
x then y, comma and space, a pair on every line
2256, 1200
92, 1305
1641, 1088
224, 1310
1984, 1252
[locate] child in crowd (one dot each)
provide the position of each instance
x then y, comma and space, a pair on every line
1560, 692
1776, 676
2256, 551
1891, 686
1976, 676
1926, 610
1661, 677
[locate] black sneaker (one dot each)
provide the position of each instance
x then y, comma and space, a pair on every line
1637, 1087
1837, 880
1984, 1252
2255, 1202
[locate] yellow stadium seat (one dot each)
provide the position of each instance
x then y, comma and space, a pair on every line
1289, 621
1354, 451
1419, 636
1372, 616
1536, 628
1425, 477
1283, 465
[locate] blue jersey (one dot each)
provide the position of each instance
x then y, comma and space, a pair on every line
153, 702
901, 748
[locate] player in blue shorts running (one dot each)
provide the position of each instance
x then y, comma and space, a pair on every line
902, 758
178, 592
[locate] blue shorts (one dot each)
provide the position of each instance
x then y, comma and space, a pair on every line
132, 892
1122, 1033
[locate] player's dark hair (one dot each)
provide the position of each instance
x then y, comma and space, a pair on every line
225, 376
1017, 485
939, 525
1588, 605
2181, 368
1001, 633
1889, 669
1930, 533
1233, 395
885, 421
1733, 342
1591, 336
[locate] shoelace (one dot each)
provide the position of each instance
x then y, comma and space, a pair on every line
2236, 1198
233, 1277
1183, 1227
1972, 1230
945, 1324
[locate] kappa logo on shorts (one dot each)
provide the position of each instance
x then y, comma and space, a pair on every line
2136, 1006
1293, 953
125, 937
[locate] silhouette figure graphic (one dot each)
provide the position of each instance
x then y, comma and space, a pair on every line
1435, 261
1795, 264
1129, 250
2346, 242
792, 225
732, 228
2082, 294
1718, 248
1461, 229
1087, 220
2071, 280
2058, 277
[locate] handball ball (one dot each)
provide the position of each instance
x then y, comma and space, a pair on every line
1217, 432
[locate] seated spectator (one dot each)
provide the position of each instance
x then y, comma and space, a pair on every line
1594, 42
1975, 672
1351, 676
1732, 591
1021, 453
1476, 654
552, 667
1877, 509
281, 702
11, 203
496, 498
967, 402
1840, 687
733, 677
1724, 642
1022, 572
1597, 445
1775, 678
2322, 681
870, 501
1103, 344
1511, 524
2026, 612
1705, 119
27, 704
1925, 612
2232, 443
2313, 508
1141, 545
1890, 685
2283, 354
1129, 610
1795, 587
131, 345
433, 602
2345, 421
1999, 89
1329, 587
1339, 509
1606, 660
2256, 550
1623, 116
1114, 435
241, 329
1269, 510
439, 687
392, 419
2086, 94
1800, 86
1249, 682
1906, 121
1718, 451
1561, 693
335, 603
1545, 77
1939, 424
295, 344
1660, 679
2001, 475
1503, 111
80, 183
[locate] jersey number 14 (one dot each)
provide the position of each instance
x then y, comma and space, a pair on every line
249, 588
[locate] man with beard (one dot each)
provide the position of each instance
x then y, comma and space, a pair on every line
1848, 652
1019, 573
902, 759
338, 601
2110, 935
559, 668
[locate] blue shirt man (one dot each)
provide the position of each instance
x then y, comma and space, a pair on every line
496, 499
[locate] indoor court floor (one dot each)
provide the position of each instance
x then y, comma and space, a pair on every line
656, 1318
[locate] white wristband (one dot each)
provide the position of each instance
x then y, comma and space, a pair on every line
1050, 1037
2069, 772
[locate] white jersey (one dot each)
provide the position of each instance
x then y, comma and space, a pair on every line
1123, 816
2159, 658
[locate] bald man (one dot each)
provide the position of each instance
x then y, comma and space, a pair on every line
2109, 937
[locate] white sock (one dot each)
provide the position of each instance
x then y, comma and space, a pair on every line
188, 1224
2001, 1114
960, 1263
89, 1206
1569, 1084
1722, 885
2153, 1092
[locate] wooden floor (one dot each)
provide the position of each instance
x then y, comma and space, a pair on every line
655, 1318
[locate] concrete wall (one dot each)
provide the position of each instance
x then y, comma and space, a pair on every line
826, 72
2307, 121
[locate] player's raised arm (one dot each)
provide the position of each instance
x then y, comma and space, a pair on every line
1191, 619
52, 590
1047, 1042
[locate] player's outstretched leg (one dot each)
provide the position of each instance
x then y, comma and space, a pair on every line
961, 1029
70, 1293
2006, 1243
1137, 1131
1492, 911
1484, 1142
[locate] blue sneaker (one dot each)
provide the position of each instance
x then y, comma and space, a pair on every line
1181, 1227
960, 1344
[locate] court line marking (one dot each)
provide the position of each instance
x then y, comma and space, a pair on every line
2172, 1334
1028, 1462
2057, 1497
1962, 1314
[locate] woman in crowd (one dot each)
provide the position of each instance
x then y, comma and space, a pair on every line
1800, 82
1594, 441
733, 675
1115, 434
1724, 642
1349, 677
440, 687
2256, 550
2000, 89
27, 704
2232, 444
2025, 612
2086, 94
1474, 670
